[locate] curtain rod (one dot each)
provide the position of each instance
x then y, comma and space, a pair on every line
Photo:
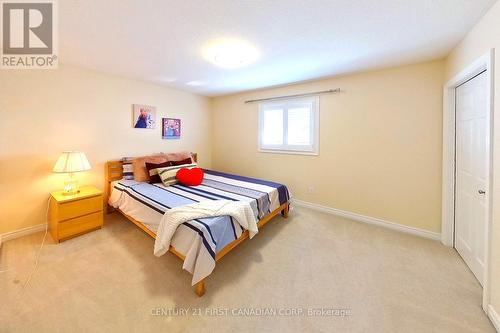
330, 91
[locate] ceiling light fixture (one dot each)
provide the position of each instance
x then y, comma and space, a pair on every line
230, 53
194, 83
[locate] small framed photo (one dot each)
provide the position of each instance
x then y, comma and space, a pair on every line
171, 128
144, 116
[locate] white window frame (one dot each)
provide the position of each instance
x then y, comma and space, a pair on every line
286, 148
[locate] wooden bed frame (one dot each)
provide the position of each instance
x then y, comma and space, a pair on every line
114, 171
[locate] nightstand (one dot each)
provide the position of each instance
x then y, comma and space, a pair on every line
73, 215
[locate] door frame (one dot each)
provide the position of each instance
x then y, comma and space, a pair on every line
486, 62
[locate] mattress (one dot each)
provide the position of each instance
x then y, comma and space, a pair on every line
147, 203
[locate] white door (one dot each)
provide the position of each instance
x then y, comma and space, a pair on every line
471, 173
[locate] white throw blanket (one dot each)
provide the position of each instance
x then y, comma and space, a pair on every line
241, 211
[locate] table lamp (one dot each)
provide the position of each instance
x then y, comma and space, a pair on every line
70, 162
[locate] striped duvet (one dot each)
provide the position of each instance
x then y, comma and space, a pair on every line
199, 240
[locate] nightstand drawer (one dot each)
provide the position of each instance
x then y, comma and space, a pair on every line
81, 207
81, 224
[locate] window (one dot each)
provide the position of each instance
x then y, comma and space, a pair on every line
290, 126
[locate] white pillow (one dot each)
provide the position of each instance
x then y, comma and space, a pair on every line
168, 174
128, 170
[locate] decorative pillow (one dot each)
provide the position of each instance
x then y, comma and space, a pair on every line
190, 177
153, 171
140, 172
179, 156
185, 161
128, 170
168, 174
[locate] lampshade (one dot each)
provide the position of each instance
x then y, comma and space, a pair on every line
71, 161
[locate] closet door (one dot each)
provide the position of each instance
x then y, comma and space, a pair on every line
470, 177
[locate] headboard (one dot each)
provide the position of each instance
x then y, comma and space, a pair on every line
114, 171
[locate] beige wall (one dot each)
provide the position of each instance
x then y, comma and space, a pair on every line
44, 112
483, 37
380, 144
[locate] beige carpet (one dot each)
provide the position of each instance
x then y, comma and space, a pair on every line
109, 281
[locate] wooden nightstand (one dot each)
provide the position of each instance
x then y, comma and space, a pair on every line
73, 215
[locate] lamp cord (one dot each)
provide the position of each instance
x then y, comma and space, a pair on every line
41, 246
39, 250
16, 307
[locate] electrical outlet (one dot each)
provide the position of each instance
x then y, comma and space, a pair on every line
311, 189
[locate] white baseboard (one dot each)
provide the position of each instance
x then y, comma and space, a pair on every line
22, 232
342, 213
369, 220
494, 317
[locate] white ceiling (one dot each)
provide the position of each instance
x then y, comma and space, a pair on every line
161, 40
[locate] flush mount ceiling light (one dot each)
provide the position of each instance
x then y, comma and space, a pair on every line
230, 53
195, 83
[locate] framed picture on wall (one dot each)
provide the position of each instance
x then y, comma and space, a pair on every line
144, 116
171, 128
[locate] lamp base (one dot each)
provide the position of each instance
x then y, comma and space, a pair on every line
71, 187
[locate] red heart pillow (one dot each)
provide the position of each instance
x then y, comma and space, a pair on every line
190, 177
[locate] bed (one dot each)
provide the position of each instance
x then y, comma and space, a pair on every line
201, 242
